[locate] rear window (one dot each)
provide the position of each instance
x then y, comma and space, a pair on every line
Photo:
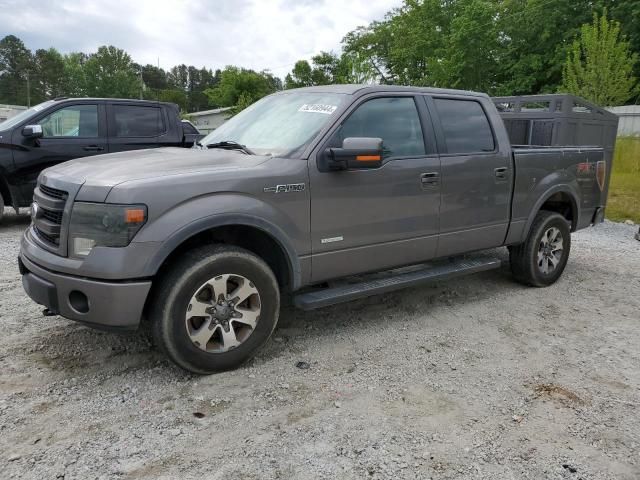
188, 128
137, 121
465, 125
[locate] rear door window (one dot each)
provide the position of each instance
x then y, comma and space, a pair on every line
73, 121
137, 121
465, 126
393, 119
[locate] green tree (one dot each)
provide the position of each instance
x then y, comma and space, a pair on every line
499, 46
110, 73
16, 64
468, 57
300, 75
328, 68
239, 87
535, 37
49, 79
451, 43
154, 78
599, 66
74, 74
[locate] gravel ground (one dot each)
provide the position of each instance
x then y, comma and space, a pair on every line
473, 378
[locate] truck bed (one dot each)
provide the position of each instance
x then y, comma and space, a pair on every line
538, 169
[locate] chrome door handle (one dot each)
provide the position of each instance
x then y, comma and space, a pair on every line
93, 148
431, 178
500, 172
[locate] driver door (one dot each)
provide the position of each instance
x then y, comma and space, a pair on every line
374, 219
72, 131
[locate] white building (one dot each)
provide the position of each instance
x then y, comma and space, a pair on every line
8, 111
208, 120
629, 119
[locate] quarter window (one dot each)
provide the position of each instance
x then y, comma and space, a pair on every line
394, 119
72, 121
465, 125
137, 121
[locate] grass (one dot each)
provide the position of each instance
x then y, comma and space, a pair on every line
624, 189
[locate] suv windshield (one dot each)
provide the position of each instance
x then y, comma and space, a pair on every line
279, 124
24, 115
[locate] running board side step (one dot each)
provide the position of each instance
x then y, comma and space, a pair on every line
346, 293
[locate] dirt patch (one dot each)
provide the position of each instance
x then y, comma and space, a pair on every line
559, 393
422, 383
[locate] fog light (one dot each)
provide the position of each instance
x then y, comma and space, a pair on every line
79, 301
83, 246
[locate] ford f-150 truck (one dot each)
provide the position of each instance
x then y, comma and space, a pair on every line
302, 189
59, 130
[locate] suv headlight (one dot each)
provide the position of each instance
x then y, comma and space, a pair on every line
103, 225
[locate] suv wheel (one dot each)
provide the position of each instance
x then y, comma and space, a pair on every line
541, 259
215, 308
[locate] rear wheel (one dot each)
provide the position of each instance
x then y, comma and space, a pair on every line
215, 308
541, 259
1, 207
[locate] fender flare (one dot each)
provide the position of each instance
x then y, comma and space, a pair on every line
227, 219
566, 189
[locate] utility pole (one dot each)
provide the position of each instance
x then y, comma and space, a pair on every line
28, 91
141, 83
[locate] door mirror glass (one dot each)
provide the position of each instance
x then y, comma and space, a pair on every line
32, 131
355, 153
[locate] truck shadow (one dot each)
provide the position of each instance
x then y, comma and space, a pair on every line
120, 353
298, 329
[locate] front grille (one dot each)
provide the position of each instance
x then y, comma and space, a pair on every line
53, 192
52, 239
47, 222
52, 216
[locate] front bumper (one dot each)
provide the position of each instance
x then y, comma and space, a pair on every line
102, 304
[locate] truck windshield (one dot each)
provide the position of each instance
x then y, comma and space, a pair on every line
280, 124
24, 115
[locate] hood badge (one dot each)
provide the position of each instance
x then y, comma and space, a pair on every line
288, 188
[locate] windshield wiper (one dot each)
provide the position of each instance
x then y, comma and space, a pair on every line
230, 145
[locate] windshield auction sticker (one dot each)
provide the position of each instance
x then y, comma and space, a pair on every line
318, 108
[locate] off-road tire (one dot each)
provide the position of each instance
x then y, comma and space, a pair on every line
173, 293
524, 259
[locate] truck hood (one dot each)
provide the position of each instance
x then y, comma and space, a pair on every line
99, 174
114, 168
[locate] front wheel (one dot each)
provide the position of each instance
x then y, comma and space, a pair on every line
541, 259
215, 308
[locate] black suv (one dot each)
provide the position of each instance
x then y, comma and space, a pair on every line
59, 130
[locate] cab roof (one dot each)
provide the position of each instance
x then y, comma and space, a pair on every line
353, 89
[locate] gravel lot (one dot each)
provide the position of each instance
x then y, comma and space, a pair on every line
474, 378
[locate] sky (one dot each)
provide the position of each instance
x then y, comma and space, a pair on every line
267, 34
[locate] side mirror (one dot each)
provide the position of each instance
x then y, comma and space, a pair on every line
32, 131
356, 153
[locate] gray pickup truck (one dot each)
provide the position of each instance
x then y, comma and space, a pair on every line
293, 195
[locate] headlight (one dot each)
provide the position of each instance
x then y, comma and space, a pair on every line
103, 225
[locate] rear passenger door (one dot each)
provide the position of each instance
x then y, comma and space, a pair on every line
134, 126
476, 176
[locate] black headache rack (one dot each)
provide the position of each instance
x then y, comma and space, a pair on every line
558, 120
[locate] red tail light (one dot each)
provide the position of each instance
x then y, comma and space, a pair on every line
601, 173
